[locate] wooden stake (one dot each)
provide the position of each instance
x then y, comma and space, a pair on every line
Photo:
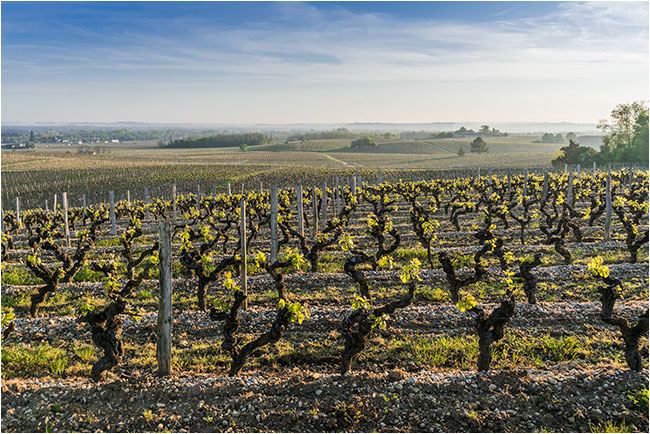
65, 218
324, 204
301, 223
164, 344
111, 200
174, 203
244, 265
315, 209
274, 224
608, 205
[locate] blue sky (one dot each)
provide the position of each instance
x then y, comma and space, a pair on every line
288, 62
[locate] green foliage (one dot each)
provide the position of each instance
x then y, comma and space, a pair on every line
24, 360
297, 312
605, 427
360, 302
19, 275
478, 146
379, 321
466, 303
626, 136
597, 268
220, 141
229, 283
573, 153
411, 271
347, 243
640, 398
363, 142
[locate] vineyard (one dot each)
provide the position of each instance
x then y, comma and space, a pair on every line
487, 302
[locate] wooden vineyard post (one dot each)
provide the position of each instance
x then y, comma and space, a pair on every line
274, 224
315, 209
478, 173
244, 266
261, 187
337, 196
324, 204
490, 182
242, 188
128, 196
354, 186
578, 170
566, 168
545, 187
146, 203
569, 193
198, 197
301, 224
111, 200
229, 191
174, 203
164, 344
83, 203
54, 204
630, 177
214, 192
608, 205
593, 176
47, 208
18, 219
64, 197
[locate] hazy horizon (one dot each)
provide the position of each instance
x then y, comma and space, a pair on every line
258, 63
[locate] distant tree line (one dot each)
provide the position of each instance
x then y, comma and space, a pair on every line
218, 141
484, 131
98, 135
339, 133
625, 141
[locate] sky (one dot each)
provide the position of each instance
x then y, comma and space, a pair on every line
321, 62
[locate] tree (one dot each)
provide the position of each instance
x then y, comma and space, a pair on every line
640, 138
363, 142
621, 127
574, 154
478, 146
571, 136
461, 152
243, 147
485, 129
32, 138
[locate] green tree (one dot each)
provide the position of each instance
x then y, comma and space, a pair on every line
243, 147
571, 136
485, 129
626, 123
574, 154
363, 142
461, 152
478, 146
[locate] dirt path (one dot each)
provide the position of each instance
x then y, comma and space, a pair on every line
344, 163
441, 148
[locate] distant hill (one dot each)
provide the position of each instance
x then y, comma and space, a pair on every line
537, 128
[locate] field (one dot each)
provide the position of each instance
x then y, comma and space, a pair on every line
558, 367
54, 168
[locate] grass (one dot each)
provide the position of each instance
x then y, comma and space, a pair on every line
33, 360
604, 427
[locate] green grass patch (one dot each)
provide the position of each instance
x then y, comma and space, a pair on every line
33, 360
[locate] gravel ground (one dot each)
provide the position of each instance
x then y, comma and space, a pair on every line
562, 400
